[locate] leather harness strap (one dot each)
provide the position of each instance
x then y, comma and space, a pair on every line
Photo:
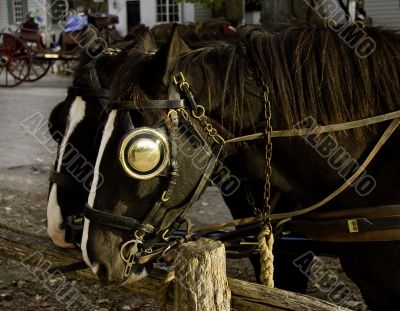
114, 221
353, 225
381, 142
150, 104
160, 215
370, 212
88, 92
250, 220
321, 129
66, 181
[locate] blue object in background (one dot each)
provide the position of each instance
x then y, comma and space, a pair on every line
76, 22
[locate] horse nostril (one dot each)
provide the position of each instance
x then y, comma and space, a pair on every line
102, 272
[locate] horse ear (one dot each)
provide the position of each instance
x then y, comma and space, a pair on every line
141, 36
176, 48
58, 121
166, 59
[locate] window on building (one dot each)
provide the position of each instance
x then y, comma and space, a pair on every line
18, 11
167, 11
58, 10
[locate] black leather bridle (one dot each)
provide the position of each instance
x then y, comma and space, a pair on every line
163, 220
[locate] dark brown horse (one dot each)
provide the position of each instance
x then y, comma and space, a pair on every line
311, 72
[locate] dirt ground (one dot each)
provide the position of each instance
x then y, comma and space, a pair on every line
23, 192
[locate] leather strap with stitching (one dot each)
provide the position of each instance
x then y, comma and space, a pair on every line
116, 222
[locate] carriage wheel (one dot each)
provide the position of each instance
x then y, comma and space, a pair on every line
15, 60
39, 68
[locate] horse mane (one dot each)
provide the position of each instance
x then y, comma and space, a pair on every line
310, 71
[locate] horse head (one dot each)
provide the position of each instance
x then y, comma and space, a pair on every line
76, 125
155, 159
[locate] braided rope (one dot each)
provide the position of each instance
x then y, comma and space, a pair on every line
265, 245
22, 232
163, 291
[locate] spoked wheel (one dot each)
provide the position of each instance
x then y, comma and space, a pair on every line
39, 68
15, 60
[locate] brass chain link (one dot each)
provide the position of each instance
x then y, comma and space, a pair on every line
199, 114
211, 131
268, 146
266, 237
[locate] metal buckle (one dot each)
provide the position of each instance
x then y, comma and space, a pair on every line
133, 251
112, 51
73, 228
353, 225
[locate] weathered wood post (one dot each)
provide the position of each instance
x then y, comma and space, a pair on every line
39, 252
200, 281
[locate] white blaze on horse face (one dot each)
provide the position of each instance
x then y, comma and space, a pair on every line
55, 220
108, 129
54, 217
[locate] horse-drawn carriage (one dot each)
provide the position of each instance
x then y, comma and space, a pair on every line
24, 57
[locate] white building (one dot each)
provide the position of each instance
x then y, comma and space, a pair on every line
384, 12
129, 12
153, 12
13, 12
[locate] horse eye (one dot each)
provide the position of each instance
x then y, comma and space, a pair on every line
144, 154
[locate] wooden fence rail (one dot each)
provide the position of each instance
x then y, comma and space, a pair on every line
245, 295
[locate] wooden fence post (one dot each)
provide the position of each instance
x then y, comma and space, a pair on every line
30, 250
200, 281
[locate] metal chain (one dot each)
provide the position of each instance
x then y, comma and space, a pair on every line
198, 111
268, 146
266, 237
211, 131
208, 128
266, 210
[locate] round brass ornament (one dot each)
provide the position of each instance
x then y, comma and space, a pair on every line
144, 153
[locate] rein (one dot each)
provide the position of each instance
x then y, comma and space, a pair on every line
321, 129
251, 220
